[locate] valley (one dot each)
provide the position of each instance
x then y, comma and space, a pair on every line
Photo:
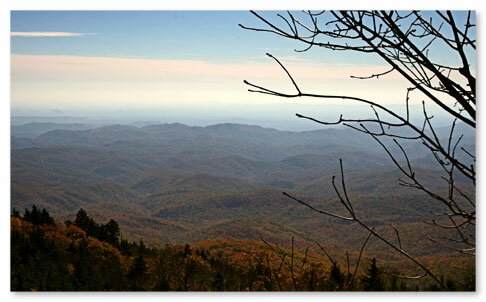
173, 183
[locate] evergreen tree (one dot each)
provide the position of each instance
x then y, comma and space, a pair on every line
337, 277
125, 247
15, 213
138, 270
112, 232
372, 280
38, 217
85, 222
45, 218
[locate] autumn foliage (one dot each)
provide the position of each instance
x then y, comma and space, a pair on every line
87, 256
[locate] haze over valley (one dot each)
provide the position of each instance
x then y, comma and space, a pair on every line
173, 183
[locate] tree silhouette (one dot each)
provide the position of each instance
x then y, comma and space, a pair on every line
138, 270
36, 216
85, 222
111, 232
372, 280
406, 41
15, 213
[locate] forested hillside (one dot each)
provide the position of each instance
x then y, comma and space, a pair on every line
181, 183
84, 255
176, 184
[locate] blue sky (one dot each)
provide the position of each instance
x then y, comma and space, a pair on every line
175, 63
146, 34
213, 36
209, 35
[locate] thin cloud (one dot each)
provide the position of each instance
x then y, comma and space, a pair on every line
57, 81
37, 34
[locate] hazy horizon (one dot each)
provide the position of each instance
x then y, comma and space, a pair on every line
279, 116
187, 67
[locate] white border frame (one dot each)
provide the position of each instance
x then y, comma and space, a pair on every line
8, 5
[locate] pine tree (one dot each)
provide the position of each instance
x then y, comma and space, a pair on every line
85, 222
111, 233
139, 269
372, 281
15, 213
45, 218
337, 277
38, 217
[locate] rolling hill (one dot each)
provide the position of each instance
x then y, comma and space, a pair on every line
175, 183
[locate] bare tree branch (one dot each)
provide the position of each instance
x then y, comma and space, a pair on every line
404, 41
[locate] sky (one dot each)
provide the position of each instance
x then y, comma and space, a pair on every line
177, 66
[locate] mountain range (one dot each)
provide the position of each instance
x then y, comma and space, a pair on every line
173, 183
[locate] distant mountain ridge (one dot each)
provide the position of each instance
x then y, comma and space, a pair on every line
178, 183
32, 130
221, 136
